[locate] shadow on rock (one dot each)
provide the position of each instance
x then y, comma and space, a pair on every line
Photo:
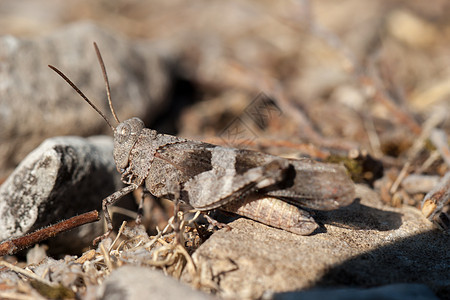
422, 258
360, 216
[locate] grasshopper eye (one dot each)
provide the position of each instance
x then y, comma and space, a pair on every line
122, 132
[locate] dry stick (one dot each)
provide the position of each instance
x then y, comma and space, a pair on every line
434, 202
428, 128
374, 139
106, 257
439, 139
122, 227
18, 296
27, 273
12, 246
434, 156
400, 177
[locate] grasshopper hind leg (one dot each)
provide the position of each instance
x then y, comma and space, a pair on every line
274, 212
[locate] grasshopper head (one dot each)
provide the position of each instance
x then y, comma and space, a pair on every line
126, 135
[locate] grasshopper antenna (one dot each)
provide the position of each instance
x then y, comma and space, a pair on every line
80, 93
105, 77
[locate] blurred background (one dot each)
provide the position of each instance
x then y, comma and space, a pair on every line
296, 78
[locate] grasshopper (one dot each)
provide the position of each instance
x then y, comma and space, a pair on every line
263, 187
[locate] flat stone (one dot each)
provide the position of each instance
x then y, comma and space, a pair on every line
365, 244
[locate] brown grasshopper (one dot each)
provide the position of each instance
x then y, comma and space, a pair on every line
260, 186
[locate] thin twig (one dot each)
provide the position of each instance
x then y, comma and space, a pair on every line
427, 128
190, 262
434, 202
12, 246
106, 257
400, 177
372, 135
18, 296
434, 156
122, 227
439, 139
25, 272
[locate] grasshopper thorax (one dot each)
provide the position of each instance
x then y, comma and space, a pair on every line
126, 135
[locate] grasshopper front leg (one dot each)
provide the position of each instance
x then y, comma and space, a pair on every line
110, 200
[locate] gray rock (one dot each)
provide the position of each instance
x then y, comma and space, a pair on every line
63, 177
365, 244
35, 103
131, 282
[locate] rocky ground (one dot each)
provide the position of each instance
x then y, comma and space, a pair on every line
363, 84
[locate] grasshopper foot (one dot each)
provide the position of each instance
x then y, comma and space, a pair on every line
101, 238
216, 223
